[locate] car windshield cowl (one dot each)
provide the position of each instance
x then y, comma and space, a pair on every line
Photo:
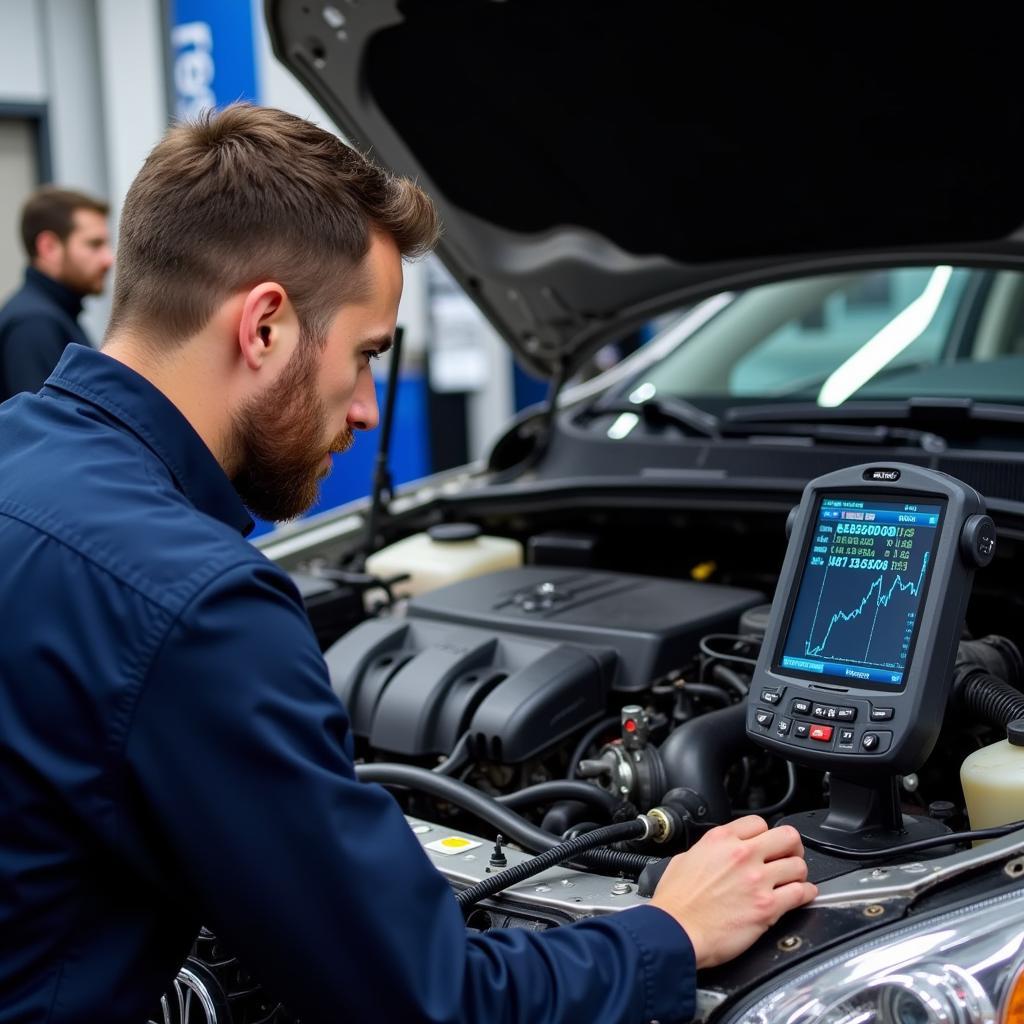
923, 413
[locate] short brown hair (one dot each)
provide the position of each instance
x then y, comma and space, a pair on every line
250, 194
53, 209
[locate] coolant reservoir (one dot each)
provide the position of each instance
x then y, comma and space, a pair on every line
993, 780
445, 554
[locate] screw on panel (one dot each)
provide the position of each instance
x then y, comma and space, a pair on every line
790, 943
1014, 868
621, 889
875, 910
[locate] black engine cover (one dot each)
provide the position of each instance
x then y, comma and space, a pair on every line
520, 659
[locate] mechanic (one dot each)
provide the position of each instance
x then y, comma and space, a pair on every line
172, 754
67, 241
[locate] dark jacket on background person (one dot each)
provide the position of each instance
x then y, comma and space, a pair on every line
172, 754
36, 323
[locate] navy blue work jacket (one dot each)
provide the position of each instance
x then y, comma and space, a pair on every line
36, 324
172, 754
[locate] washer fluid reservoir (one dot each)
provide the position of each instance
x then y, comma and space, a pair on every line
444, 554
993, 780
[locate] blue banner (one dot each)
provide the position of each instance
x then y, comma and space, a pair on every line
212, 54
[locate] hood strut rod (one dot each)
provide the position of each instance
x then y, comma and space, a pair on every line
382, 492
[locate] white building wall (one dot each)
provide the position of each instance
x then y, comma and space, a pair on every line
22, 63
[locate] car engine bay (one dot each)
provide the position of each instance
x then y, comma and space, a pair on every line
514, 710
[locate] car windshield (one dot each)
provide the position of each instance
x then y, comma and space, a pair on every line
910, 332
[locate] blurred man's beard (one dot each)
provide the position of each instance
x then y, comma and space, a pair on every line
278, 443
77, 281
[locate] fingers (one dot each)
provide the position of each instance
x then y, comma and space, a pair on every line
786, 870
747, 827
781, 841
795, 894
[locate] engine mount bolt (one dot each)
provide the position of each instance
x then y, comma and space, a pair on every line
874, 910
621, 889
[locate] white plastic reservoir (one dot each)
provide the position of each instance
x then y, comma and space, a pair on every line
993, 780
444, 554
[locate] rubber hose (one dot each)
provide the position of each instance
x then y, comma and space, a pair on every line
590, 736
619, 860
707, 691
991, 700
562, 789
462, 795
556, 855
510, 824
698, 753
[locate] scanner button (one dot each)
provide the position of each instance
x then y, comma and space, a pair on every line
846, 737
771, 696
801, 730
764, 718
869, 741
881, 714
846, 714
784, 726
821, 733
801, 707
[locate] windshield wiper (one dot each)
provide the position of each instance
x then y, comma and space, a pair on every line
659, 412
946, 410
927, 414
839, 433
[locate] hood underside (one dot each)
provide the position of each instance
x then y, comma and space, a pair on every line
596, 164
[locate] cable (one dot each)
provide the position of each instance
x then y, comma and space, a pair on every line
618, 861
562, 789
589, 737
709, 651
995, 832
779, 804
556, 855
457, 759
706, 691
725, 674
479, 804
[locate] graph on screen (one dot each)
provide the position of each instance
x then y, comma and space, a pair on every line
860, 592
889, 640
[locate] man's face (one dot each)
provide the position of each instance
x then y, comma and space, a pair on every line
87, 255
286, 435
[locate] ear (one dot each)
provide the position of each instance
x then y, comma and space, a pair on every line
263, 329
48, 246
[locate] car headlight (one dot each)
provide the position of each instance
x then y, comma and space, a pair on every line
960, 967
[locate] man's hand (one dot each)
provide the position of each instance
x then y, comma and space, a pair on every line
733, 885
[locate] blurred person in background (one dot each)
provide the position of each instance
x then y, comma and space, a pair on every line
67, 241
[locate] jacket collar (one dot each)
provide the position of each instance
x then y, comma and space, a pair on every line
68, 300
133, 401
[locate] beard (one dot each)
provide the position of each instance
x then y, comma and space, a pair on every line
80, 281
278, 443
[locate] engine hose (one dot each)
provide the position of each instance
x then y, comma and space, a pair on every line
618, 860
556, 855
611, 724
991, 700
510, 824
562, 789
698, 753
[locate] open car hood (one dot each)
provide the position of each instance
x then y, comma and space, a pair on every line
596, 164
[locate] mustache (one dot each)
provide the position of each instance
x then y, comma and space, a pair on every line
343, 441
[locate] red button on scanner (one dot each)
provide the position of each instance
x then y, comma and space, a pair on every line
823, 733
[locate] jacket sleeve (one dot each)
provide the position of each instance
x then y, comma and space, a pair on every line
31, 348
242, 755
